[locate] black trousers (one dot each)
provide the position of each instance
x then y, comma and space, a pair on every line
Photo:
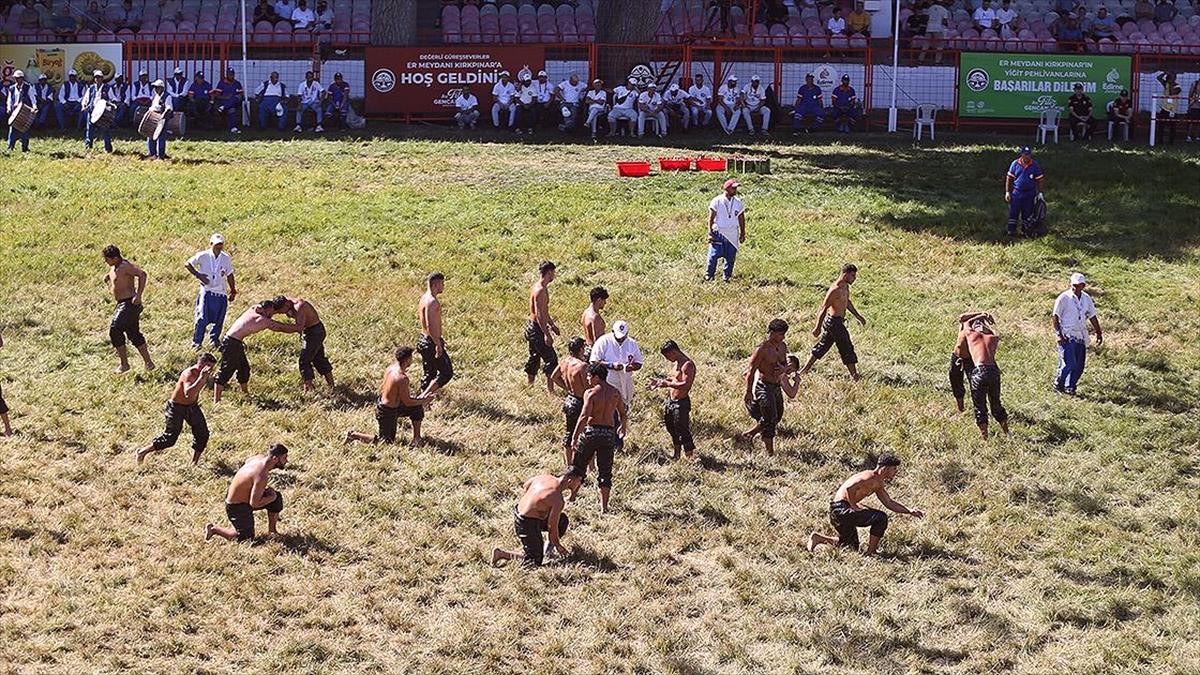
960, 370
598, 441
529, 532
3, 405
312, 353
540, 353
847, 521
436, 369
233, 360
126, 323
389, 419
833, 332
677, 419
241, 516
530, 116
768, 403
571, 407
176, 415
985, 391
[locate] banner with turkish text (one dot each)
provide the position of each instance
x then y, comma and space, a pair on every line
423, 80
1024, 85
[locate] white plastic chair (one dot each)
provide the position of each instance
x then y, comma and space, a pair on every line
1046, 123
926, 115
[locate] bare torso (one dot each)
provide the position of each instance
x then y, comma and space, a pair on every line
593, 325
839, 298
541, 495
605, 400
858, 487
250, 322
539, 303
430, 315
303, 313
683, 371
395, 381
186, 379
983, 347
574, 373
121, 279
243, 481
771, 361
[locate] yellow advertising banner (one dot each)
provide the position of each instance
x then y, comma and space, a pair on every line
55, 60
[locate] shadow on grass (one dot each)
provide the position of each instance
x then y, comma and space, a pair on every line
307, 544
347, 398
224, 469
585, 557
474, 406
928, 551
444, 446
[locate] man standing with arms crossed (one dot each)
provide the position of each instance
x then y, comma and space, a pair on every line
1073, 310
127, 282
432, 344
233, 347
602, 422
396, 401
831, 330
214, 270
764, 393
184, 406
678, 409
847, 515
571, 376
726, 229
981, 343
621, 356
248, 492
592, 321
540, 326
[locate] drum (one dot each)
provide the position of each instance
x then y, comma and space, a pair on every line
176, 125
103, 114
21, 118
152, 125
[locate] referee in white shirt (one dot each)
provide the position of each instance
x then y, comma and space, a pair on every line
622, 356
1073, 310
214, 270
726, 229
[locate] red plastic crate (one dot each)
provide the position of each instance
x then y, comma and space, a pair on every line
675, 163
711, 164
633, 169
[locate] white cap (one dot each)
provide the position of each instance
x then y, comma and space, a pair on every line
97, 73
732, 78
71, 72
178, 70
217, 238
541, 73
1077, 279
652, 85
18, 73
621, 330
674, 87
755, 78
505, 73
158, 83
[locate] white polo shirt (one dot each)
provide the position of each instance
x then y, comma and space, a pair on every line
608, 350
1073, 314
649, 99
729, 95
465, 103
504, 92
630, 100
571, 92
216, 268
702, 94
985, 17
596, 98
727, 211
754, 96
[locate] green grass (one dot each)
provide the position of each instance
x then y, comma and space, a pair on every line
1070, 547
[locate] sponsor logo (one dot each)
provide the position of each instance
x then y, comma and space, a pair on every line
825, 77
383, 80
643, 75
1042, 104
977, 79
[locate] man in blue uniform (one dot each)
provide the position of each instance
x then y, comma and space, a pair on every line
808, 105
1021, 188
845, 106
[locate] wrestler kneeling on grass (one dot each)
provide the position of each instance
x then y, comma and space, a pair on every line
540, 509
847, 515
396, 401
184, 406
248, 492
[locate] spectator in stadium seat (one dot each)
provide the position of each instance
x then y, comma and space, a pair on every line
324, 20
172, 10
675, 100
127, 18
303, 17
45, 15
467, 108
771, 12
199, 102
1120, 112
754, 98
597, 105
70, 97
270, 96
139, 96
339, 99
836, 25
650, 106
1066, 8
1007, 20
844, 110
1143, 9
1080, 107
984, 17
64, 25
1069, 35
543, 93
228, 100
699, 102
569, 94
29, 19
810, 104
1165, 12
177, 89
729, 105
936, 16
44, 94
504, 94
859, 22
311, 91
1104, 27
624, 106
284, 9
264, 11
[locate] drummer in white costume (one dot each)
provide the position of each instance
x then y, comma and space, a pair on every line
96, 96
161, 104
19, 93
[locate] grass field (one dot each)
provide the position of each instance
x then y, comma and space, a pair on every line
1070, 547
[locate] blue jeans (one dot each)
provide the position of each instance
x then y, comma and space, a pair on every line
70, 108
1020, 209
210, 313
314, 106
720, 247
43, 113
89, 137
157, 148
267, 107
13, 135
1071, 359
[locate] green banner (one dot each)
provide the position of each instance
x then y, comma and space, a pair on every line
1023, 85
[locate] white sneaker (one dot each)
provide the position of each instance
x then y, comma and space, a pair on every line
319, 129
298, 129
235, 130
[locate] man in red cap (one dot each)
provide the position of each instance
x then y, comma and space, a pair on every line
726, 229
